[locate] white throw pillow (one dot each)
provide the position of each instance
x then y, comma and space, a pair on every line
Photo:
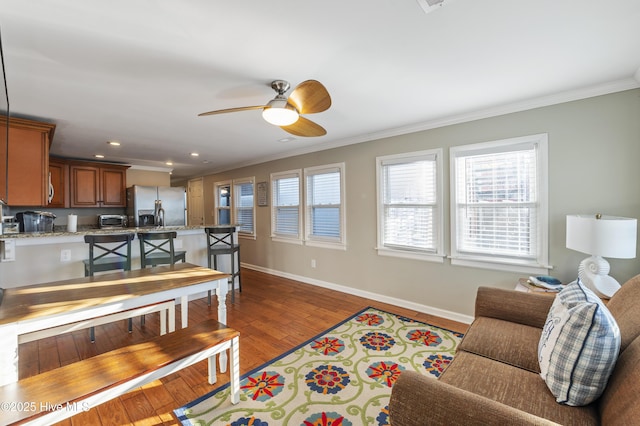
579, 346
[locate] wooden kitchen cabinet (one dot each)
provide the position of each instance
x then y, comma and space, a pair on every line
26, 182
59, 181
97, 185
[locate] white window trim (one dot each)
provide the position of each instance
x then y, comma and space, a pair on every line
540, 265
216, 200
416, 254
283, 238
341, 242
234, 197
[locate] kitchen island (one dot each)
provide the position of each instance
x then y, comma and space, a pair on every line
58, 255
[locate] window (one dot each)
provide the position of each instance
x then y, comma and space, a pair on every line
324, 217
499, 204
409, 205
285, 205
236, 208
223, 203
243, 205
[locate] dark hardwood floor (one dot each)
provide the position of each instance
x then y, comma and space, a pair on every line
273, 315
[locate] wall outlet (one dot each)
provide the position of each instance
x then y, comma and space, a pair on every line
65, 255
313, 263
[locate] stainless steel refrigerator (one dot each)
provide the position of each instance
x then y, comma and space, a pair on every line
142, 205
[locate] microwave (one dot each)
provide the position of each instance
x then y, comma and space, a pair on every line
112, 221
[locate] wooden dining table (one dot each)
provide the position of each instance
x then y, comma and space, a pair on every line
33, 308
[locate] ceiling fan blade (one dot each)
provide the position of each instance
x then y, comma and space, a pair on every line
224, 111
310, 97
304, 127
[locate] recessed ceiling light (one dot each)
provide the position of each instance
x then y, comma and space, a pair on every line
169, 163
99, 156
194, 154
286, 139
430, 5
113, 143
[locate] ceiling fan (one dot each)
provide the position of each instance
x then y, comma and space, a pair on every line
309, 97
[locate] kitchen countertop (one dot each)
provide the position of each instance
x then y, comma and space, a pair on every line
29, 238
88, 230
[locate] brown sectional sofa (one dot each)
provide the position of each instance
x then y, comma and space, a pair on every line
494, 377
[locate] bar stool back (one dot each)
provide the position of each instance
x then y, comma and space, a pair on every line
157, 248
220, 241
108, 252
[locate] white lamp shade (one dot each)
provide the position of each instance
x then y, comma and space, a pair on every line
607, 236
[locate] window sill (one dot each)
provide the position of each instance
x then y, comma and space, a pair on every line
406, 254
295, 241
497, 265
326, 244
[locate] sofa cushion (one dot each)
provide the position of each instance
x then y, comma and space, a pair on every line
503, 341
512, 386
578, 347
418, 400
619, 402
624, 308
513, 306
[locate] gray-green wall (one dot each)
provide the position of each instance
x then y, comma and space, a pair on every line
594, 147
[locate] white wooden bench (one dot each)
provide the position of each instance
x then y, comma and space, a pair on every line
60, 393
166, 309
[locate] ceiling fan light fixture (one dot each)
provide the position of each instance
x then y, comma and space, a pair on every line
288, 113
279, 112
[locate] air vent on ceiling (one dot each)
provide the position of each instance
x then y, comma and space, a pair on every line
430, 5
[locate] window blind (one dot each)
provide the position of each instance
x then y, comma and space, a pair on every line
244, 207
409, 199
286, 205
324, 200
497, 203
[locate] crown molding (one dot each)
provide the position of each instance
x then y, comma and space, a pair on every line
528, 104
150, 168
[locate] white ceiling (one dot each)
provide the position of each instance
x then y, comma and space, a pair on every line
139, 71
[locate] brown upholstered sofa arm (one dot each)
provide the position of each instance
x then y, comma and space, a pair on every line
513, 306
418, 400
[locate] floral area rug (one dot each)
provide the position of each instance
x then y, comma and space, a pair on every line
342, 377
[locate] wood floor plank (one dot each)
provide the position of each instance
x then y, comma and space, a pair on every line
48, 354
157, 395
29, 360
86, 418
180, 390
273, 315
139, 409
66, 349
113, 413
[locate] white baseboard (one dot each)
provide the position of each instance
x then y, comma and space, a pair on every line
454, 316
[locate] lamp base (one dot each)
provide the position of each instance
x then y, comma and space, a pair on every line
594, 274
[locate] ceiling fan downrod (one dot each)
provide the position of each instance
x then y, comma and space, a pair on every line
280, 86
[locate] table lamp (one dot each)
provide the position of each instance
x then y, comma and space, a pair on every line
601, 236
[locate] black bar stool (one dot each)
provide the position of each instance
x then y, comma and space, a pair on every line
108, 252
220, 241
157, 248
